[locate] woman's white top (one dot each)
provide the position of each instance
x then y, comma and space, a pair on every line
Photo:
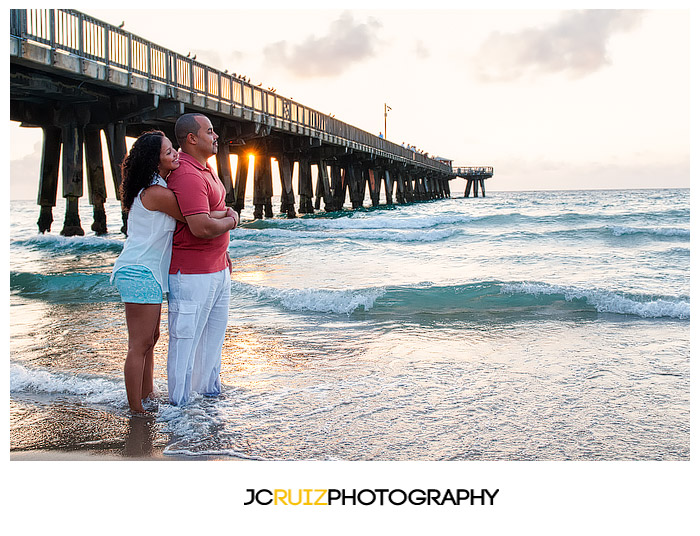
149, 241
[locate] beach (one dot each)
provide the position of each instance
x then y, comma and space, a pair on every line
521, 326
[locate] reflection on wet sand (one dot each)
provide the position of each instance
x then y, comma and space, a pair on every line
67, 426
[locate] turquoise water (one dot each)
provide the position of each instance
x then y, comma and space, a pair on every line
520, 326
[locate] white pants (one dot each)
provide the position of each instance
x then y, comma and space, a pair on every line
197, 316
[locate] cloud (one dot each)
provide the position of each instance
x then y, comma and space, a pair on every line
421, 51
576, 45
347, 42
218, 59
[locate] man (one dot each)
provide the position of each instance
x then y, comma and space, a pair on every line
199, 278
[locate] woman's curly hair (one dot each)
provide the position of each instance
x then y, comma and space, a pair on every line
140, 165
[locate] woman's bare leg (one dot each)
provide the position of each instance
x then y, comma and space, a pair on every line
142, 321
147, 383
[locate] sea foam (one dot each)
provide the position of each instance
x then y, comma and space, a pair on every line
621, 230
76, 244
470, 298
314, 300
608, 302
91, 389
387, 235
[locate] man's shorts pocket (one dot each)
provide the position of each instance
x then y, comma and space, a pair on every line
182, 319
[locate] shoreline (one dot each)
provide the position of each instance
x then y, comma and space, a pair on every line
104, 455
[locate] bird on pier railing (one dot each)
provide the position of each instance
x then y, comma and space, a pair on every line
121, 25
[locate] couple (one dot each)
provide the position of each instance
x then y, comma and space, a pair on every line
178, 236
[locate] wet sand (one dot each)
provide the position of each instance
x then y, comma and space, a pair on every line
102, 456
77, 456
60, 431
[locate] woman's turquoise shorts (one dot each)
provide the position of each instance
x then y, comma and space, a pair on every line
136, 284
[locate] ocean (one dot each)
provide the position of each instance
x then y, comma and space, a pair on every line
550, 325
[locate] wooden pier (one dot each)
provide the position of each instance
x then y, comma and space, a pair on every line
76, 78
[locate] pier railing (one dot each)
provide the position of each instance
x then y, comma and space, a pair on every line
73, 32
473, 171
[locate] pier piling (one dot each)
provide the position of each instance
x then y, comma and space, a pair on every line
388, 187
48, 177
237, 198
305, 186
323, 187
72, 138
374, 186
115, 134
97, 190
353, 178
286, 170
262, 185
223, 168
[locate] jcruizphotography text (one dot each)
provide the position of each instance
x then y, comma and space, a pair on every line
367, 497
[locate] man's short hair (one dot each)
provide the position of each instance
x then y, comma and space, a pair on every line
186, 124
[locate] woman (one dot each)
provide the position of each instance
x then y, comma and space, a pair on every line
141, 271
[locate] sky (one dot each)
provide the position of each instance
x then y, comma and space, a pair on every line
552, 99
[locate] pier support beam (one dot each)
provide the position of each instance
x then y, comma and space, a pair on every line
72, 137
223, 169
353, 175
286, 169
237, 197
115, 133
469, 188
48, 178
306, 189
473, 184
400, 197
427, 191
323, 188
337, 191
407, 188
417, 190
262, 186
97, 189
432, 188
344, 185
318, 191
388, 187
374, 186
446, 189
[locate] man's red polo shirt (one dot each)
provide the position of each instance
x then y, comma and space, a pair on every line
198, 191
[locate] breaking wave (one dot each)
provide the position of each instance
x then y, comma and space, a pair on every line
491, 297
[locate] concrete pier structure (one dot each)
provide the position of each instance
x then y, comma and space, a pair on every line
78, 79
475, 178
